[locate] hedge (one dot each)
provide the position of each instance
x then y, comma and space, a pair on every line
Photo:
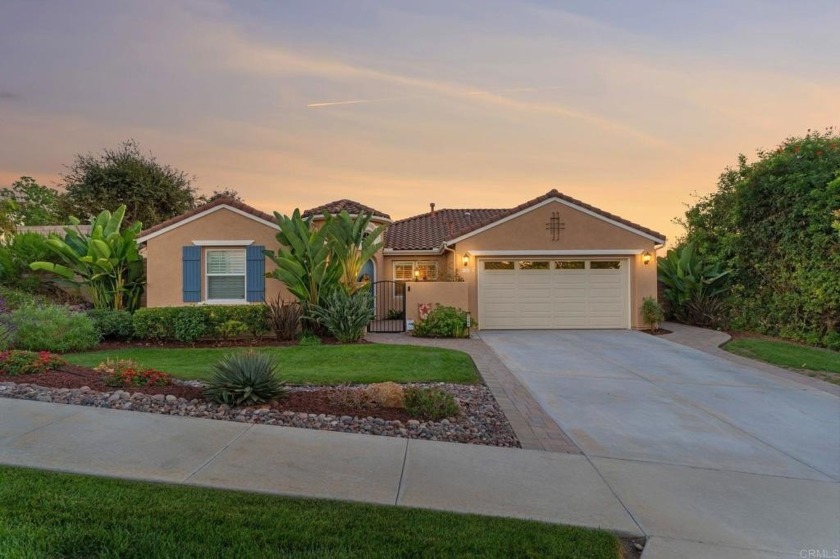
192, 323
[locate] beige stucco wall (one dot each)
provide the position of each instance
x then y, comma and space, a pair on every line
581, 232
163, 254
446, 293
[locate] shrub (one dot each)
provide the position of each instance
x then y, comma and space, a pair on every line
126, 372
443, 322
112, 325
16, 362
431, 404
53, 328
231, 329
309, 339
192, 323
346, 315
652, 313
154, 324
387, 394
245, 378
284, 317
351, 398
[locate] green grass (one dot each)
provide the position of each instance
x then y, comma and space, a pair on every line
824, 362
325, 364
47, 514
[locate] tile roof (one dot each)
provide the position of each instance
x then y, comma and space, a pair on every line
203, 208
430, 230
350, 206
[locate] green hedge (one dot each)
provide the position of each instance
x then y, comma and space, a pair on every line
189, 324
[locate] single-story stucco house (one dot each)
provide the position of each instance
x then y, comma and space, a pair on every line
552, 262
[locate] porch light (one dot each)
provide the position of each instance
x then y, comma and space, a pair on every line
416, 275
646, 258
466, 259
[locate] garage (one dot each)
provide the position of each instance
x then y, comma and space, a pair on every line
545, 293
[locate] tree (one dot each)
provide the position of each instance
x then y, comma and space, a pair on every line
224, 193
772, 222
151, 192
36, 204
106, 262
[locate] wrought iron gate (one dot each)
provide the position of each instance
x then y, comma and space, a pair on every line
388, 307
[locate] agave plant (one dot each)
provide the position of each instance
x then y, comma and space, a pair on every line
106, 262
244, 379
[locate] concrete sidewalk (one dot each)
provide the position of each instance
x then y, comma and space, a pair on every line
531, 484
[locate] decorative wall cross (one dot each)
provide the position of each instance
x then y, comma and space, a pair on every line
554, 226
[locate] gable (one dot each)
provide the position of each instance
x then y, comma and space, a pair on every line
529, 229
221, 223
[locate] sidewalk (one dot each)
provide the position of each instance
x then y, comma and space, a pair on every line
539, 485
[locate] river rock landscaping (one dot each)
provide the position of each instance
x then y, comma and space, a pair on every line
480, 420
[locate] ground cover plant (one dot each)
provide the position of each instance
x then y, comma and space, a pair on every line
125, 372
818, 362
322, 364
47, 514
18, 362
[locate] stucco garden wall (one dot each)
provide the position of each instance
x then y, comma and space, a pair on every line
446, 293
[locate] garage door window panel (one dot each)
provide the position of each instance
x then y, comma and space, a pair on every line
570, 265
533, 264
605, 265
498, 265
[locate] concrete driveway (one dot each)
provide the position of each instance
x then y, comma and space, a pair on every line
699, 449
629, 395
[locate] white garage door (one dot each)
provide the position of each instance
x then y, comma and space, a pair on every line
553, 293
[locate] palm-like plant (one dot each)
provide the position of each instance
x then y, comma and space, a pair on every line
352, 246
106, 261
692, 284
303, 259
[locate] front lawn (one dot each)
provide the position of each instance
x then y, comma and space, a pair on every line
324, 364
818, 362
47, 514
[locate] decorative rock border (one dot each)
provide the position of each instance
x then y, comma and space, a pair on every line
482, 421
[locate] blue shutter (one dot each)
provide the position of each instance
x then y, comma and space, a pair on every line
255, 273
191, 263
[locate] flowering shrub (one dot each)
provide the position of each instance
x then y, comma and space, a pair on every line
17, 362
126, 372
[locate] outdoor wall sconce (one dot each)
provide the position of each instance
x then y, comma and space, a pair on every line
466, 259
646, 258
416, 275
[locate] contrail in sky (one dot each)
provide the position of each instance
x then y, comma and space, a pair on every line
361, 101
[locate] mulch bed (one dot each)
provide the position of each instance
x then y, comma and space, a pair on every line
74, 376
317, 402
657, 332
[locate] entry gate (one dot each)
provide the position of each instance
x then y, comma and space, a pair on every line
388, 307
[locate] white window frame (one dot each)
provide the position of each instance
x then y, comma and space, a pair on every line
207, 276
415, 264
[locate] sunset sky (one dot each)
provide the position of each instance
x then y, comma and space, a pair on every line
629, 106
